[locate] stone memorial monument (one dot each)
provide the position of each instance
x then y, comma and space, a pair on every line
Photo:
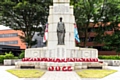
61, 41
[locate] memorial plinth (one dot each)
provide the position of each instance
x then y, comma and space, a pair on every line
61, 52
60, 8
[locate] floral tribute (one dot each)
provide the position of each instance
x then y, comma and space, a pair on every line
56, 60
61, 60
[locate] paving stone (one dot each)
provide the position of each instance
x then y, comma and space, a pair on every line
49, 75
61, 75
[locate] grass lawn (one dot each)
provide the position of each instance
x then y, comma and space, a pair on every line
26, 73
90, 73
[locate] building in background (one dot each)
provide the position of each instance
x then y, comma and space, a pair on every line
90, 40
10, 40
11, 37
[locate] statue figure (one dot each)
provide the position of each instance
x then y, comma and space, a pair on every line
60, 32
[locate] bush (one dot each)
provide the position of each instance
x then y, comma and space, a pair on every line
2, 57
9, 55
109, 57
22, 55
16, 57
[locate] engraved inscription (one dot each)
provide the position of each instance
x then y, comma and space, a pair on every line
63, 52
76, 52
53, 53
61, 9
58, 52
79, 54
35, 53
50, 52
45, 53
72, 53
86, 54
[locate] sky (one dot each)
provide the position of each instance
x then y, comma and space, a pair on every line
3, 27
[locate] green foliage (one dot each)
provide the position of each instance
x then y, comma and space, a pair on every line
16, 57
22, 55
7, 56
111, 57
2, 57
86, 11
111, 14
112, 42
97, 12
25, 15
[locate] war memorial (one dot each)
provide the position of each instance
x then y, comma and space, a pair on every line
61, 52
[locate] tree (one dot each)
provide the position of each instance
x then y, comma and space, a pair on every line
87, 11
25, 15
112, 42
104, 13
112, 14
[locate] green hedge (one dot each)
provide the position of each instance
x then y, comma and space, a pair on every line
7, 56
109, 57
22, 55
2, 57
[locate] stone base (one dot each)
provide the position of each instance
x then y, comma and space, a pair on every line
74, 65
112, 62
61, 52
9, 62
29, 64
86, 65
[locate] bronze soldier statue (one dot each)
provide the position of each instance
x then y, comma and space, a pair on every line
61, 32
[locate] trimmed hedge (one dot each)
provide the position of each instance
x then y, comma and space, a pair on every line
11, 56
109, 57
7, 56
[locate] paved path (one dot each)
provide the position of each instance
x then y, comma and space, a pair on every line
4, 75
114, 76
49, 75
60, 76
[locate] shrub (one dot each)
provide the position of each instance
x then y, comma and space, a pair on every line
9, 55
22, 55
2, 57
16, 57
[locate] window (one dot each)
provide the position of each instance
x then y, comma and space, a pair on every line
8, 35
8, 42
